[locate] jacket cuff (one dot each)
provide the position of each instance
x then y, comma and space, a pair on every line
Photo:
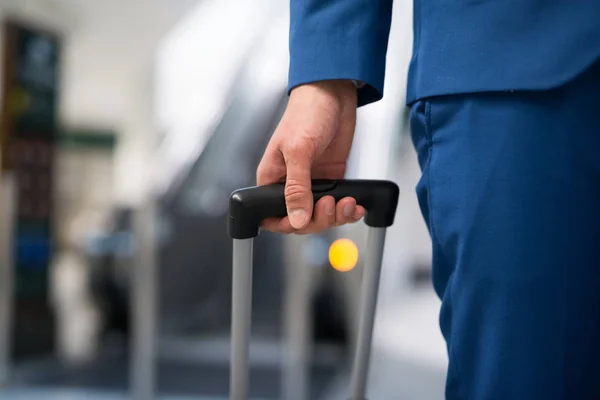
329, 56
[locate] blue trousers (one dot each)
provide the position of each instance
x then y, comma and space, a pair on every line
510, 192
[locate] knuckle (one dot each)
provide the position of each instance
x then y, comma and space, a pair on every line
269, 171
295, 191
262, 168
303, 148
260, 172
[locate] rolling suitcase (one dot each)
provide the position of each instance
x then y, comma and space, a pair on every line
249, 207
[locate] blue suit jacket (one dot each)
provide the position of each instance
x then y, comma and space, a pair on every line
459, 45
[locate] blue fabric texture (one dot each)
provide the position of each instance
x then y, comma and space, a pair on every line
331, 39
460, 46
511, 192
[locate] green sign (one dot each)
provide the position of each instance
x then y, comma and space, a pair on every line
88, 139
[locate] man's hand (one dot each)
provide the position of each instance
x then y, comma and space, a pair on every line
312, 141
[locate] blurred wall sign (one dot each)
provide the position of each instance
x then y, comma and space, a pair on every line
33, 82
30, 85
84, 176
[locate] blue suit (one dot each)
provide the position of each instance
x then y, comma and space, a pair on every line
460, 46
505, 118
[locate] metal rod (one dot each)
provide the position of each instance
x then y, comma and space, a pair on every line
144, 311
296, 317
241, 318
368, 306
7, 218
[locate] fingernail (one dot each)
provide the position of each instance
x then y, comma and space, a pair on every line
298, 218
330, 208
358, 214
348, 210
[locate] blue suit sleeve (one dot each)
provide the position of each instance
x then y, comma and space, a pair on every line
340, 39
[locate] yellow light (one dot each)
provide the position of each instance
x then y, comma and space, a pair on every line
343, 255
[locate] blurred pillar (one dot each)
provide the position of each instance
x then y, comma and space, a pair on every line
297, 320
144, 311
136, 179
7, 206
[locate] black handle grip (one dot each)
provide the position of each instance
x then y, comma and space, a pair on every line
249, 207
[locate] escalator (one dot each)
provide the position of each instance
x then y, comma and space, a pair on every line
195, 259
195, 252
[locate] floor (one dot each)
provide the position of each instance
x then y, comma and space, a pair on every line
176, 380
74, 394
408, 361
409, 355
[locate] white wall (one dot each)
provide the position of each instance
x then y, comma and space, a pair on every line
109, 65
197, 63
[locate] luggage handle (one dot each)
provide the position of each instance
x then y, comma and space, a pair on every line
249, 207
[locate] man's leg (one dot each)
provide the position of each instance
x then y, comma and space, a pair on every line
511, 194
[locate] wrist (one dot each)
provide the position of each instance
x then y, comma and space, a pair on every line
341, 90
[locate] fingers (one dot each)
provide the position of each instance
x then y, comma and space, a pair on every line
324, 218
278, 225
292, 164
347, 211
298, 188
324, 215
327, 215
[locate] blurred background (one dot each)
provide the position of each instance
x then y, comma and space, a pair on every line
124, 127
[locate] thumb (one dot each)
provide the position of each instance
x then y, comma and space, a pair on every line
298, 190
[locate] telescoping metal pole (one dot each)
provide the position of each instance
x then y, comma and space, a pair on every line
249, 207
241, 318
368, 305
297, 344
7, 217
